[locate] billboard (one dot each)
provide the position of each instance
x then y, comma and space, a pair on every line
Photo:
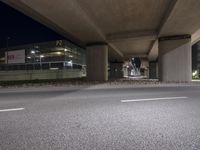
15, 57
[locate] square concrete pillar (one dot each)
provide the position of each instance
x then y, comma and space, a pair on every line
144, 70
97, 62
174, 59
153, 70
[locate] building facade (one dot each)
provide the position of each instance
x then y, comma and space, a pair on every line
49, 60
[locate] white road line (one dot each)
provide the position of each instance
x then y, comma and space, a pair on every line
153, 99
13, 109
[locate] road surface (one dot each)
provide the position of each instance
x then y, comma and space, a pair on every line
83, 118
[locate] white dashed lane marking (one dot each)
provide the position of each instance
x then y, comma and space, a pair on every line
153, 99
13, 109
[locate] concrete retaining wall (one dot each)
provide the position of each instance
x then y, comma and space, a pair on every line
40, 74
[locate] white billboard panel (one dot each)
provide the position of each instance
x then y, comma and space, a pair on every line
14, 57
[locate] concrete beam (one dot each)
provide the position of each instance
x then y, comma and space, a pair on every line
128, 56
141, 35
168, 14
182, 19
116, 49
25, 9
153, 53
40, 11
196, 37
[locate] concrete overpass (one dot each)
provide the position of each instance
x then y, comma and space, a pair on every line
116, 30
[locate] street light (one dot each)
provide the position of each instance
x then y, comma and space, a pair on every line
7, 44
41, 56
65, 57
32, 52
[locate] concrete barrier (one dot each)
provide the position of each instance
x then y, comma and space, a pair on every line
40, 74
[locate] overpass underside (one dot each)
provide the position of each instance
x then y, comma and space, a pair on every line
160, 31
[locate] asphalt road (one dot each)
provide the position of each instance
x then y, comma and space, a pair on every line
154, 118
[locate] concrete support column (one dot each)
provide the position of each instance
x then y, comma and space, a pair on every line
153, 70
116, 70
144, 70
97, 62
174, 59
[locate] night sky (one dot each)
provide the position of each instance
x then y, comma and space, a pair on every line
22, 29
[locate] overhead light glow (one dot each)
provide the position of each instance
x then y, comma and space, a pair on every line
32, 52
59, 53
69, 63
195, 73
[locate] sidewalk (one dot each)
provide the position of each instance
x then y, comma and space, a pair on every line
121, 83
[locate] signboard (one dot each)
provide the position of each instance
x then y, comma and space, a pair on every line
14, 57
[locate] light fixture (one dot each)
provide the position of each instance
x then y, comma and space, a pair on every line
69, 63
195, 73
41, 56
59, 53
32, 52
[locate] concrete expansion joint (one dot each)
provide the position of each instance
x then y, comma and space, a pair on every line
175, 37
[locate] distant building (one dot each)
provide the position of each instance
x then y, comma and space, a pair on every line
49, 60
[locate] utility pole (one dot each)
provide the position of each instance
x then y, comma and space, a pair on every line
7, 44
